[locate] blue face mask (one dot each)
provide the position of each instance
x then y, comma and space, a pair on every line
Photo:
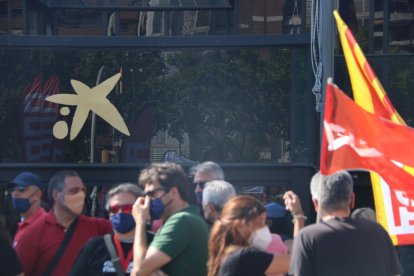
156, 208
21, 205
199, 196
123, 223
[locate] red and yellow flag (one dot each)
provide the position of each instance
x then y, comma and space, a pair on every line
356, 139
394, 208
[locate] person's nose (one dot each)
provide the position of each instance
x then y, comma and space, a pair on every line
198, 189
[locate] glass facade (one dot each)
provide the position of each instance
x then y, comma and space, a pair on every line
243, 101
380, 26
229, 105
223, 80
161, 18
384, 30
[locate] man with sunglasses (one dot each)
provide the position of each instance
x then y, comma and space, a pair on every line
203, 173
51, 245
26, 191
180, 246
95, 258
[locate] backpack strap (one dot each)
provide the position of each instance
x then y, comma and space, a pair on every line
62, 248
114, 255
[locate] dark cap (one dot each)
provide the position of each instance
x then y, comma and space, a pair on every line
26, 179
275, 210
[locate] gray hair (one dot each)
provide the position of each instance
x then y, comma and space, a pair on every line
209, 167
217, 193
57, 182
337, 190
314, 184
123, 188
364, 213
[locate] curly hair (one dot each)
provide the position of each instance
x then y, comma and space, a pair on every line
168, 175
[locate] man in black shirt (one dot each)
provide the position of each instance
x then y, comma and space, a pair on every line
94, 258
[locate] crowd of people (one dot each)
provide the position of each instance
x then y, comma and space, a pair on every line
165, 225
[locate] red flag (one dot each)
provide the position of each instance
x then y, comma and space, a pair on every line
355, 139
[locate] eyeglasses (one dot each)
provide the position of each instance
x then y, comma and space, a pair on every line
200, 183
126, 209
152, 193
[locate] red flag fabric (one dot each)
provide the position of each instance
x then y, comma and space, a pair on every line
393, 208
355, 139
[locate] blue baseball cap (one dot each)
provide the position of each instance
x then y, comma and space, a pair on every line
275, 210
26, 179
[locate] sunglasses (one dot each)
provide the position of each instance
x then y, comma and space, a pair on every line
151, 194
19, 189
125, 209
201, 184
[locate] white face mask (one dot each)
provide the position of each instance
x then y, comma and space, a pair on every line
261, 238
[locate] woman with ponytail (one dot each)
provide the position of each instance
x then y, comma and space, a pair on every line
237, 239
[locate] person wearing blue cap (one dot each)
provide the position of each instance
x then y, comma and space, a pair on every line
26, 191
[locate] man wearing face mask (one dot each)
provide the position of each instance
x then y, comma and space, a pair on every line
180, 246
215, 194
26, 191
51, 245
95, 258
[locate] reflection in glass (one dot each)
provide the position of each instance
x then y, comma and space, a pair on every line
228, 105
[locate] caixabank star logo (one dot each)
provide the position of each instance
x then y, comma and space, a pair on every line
87, 100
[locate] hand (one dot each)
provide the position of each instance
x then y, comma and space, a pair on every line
158, 273
140, 210
292, 203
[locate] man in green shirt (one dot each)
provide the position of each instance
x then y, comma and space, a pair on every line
180, 246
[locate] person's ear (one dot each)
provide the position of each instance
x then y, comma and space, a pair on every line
262, 218
55, 195
38, 195
212, 210
174, 193
352, 206
315, 204
242, 229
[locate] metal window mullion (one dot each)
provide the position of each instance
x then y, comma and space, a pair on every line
303, 15
265, 16
9, 17
250, 16
236, 15
386, 26
105, 17
25, 17
118, 23
371, 26
49, 42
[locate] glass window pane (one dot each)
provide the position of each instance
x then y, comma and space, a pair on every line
228, 105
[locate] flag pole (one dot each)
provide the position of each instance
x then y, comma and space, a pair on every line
327, 37
321, 188
327, 44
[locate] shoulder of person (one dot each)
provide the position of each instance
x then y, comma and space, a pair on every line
247, 251
188, 213
87, 219
36, 228
95, 222
188, 217
94, 243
